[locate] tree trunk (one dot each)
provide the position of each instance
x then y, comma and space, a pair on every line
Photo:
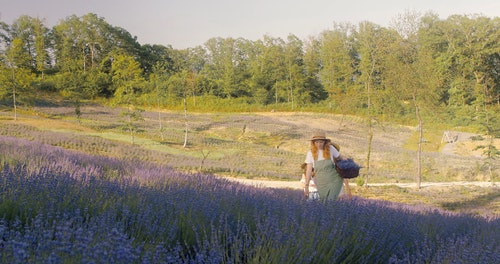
186, 121
369, 151
420, 139
14, 93
370, 124
159, 112
205, 156
130, 126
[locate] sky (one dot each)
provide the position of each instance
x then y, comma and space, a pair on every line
189, 23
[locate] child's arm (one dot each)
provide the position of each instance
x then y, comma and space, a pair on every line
309, 170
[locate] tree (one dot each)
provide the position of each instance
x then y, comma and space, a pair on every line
41, 46
159, 78
257, 81
490, 152
32, 37
25, 52
313, 88
69, 44
184, 77
294, 67
468, 46
372, 50
337, 61
226, 66
152, 55
409, 82
268, 72
13, 78
128, 82
84, 47
132, 115
127, 79
274, 67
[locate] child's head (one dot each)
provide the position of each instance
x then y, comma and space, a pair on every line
303, 166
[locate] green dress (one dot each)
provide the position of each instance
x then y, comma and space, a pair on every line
328, 181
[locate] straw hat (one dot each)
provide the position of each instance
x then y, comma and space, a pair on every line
319, 135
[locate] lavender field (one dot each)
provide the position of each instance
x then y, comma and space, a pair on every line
64, 206
79, 191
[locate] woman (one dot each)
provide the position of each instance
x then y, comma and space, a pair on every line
320, 157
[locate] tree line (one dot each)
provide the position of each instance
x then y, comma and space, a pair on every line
420, 66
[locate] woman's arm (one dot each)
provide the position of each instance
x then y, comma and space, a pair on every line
334, 153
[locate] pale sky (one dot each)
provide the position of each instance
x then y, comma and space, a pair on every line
189, 23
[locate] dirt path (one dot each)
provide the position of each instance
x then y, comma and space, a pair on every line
296, 184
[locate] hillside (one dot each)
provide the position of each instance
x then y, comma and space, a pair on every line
257, 145
268, 146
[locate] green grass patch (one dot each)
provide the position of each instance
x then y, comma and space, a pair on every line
464, 199
431, 141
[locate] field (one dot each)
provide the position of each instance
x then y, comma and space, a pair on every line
87, 185
271, 146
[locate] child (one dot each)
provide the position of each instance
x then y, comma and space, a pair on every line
313, 191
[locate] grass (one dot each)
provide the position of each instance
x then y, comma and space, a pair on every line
431, 141
474, 200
